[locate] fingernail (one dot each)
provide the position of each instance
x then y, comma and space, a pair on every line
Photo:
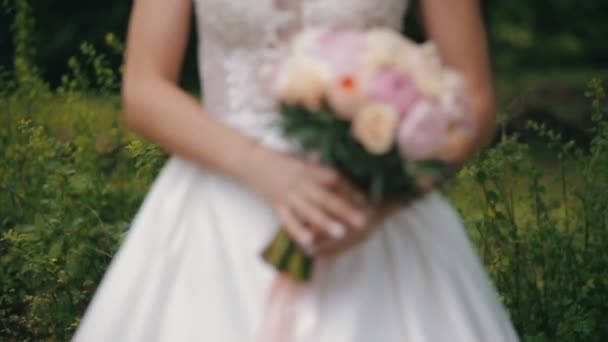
336, 230
306, 239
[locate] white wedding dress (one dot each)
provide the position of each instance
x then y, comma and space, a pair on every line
190, 266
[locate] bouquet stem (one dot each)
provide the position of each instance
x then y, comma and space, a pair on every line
288, 257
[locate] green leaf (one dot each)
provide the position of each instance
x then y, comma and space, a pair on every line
56, 249
39, 221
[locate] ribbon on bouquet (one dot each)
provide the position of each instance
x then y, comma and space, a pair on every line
292, 308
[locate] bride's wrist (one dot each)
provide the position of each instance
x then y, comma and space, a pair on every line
252, 165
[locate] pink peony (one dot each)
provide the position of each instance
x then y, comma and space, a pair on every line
422, 132
343, 50
391, 86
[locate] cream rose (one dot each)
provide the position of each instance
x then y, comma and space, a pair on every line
304, 80
346, 94
451, 80
426, 69
387, 48
375, 127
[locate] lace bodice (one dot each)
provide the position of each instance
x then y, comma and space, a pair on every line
240, 40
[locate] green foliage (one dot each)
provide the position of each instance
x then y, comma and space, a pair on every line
64, 206
65, 203
547, 33
381, 177
543, 235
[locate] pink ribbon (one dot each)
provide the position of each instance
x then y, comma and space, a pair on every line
292, 310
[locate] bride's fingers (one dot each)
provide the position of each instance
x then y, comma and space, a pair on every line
336, 206
317, 219
323, 174
330, 178
295, 228
347, 190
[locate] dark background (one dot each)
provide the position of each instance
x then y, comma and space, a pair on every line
525, 35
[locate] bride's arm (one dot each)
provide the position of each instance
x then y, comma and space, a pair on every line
157, 108
457, 28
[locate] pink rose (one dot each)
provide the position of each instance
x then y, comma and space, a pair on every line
422, 132
375, 127
393, 87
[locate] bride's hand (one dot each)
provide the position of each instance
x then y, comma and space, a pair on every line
375, 217
312, 201
459, 148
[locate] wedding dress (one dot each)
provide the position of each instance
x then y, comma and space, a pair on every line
190, 269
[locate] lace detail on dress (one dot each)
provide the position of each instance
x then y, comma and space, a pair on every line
246, 61
355, 13
246, 37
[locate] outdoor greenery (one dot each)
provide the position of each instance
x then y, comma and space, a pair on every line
72, 176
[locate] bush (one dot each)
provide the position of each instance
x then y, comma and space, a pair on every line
71, 179
70, 182
543, 234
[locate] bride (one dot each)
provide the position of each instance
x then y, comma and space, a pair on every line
190, 269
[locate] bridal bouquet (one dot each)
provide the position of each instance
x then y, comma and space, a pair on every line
382, 110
